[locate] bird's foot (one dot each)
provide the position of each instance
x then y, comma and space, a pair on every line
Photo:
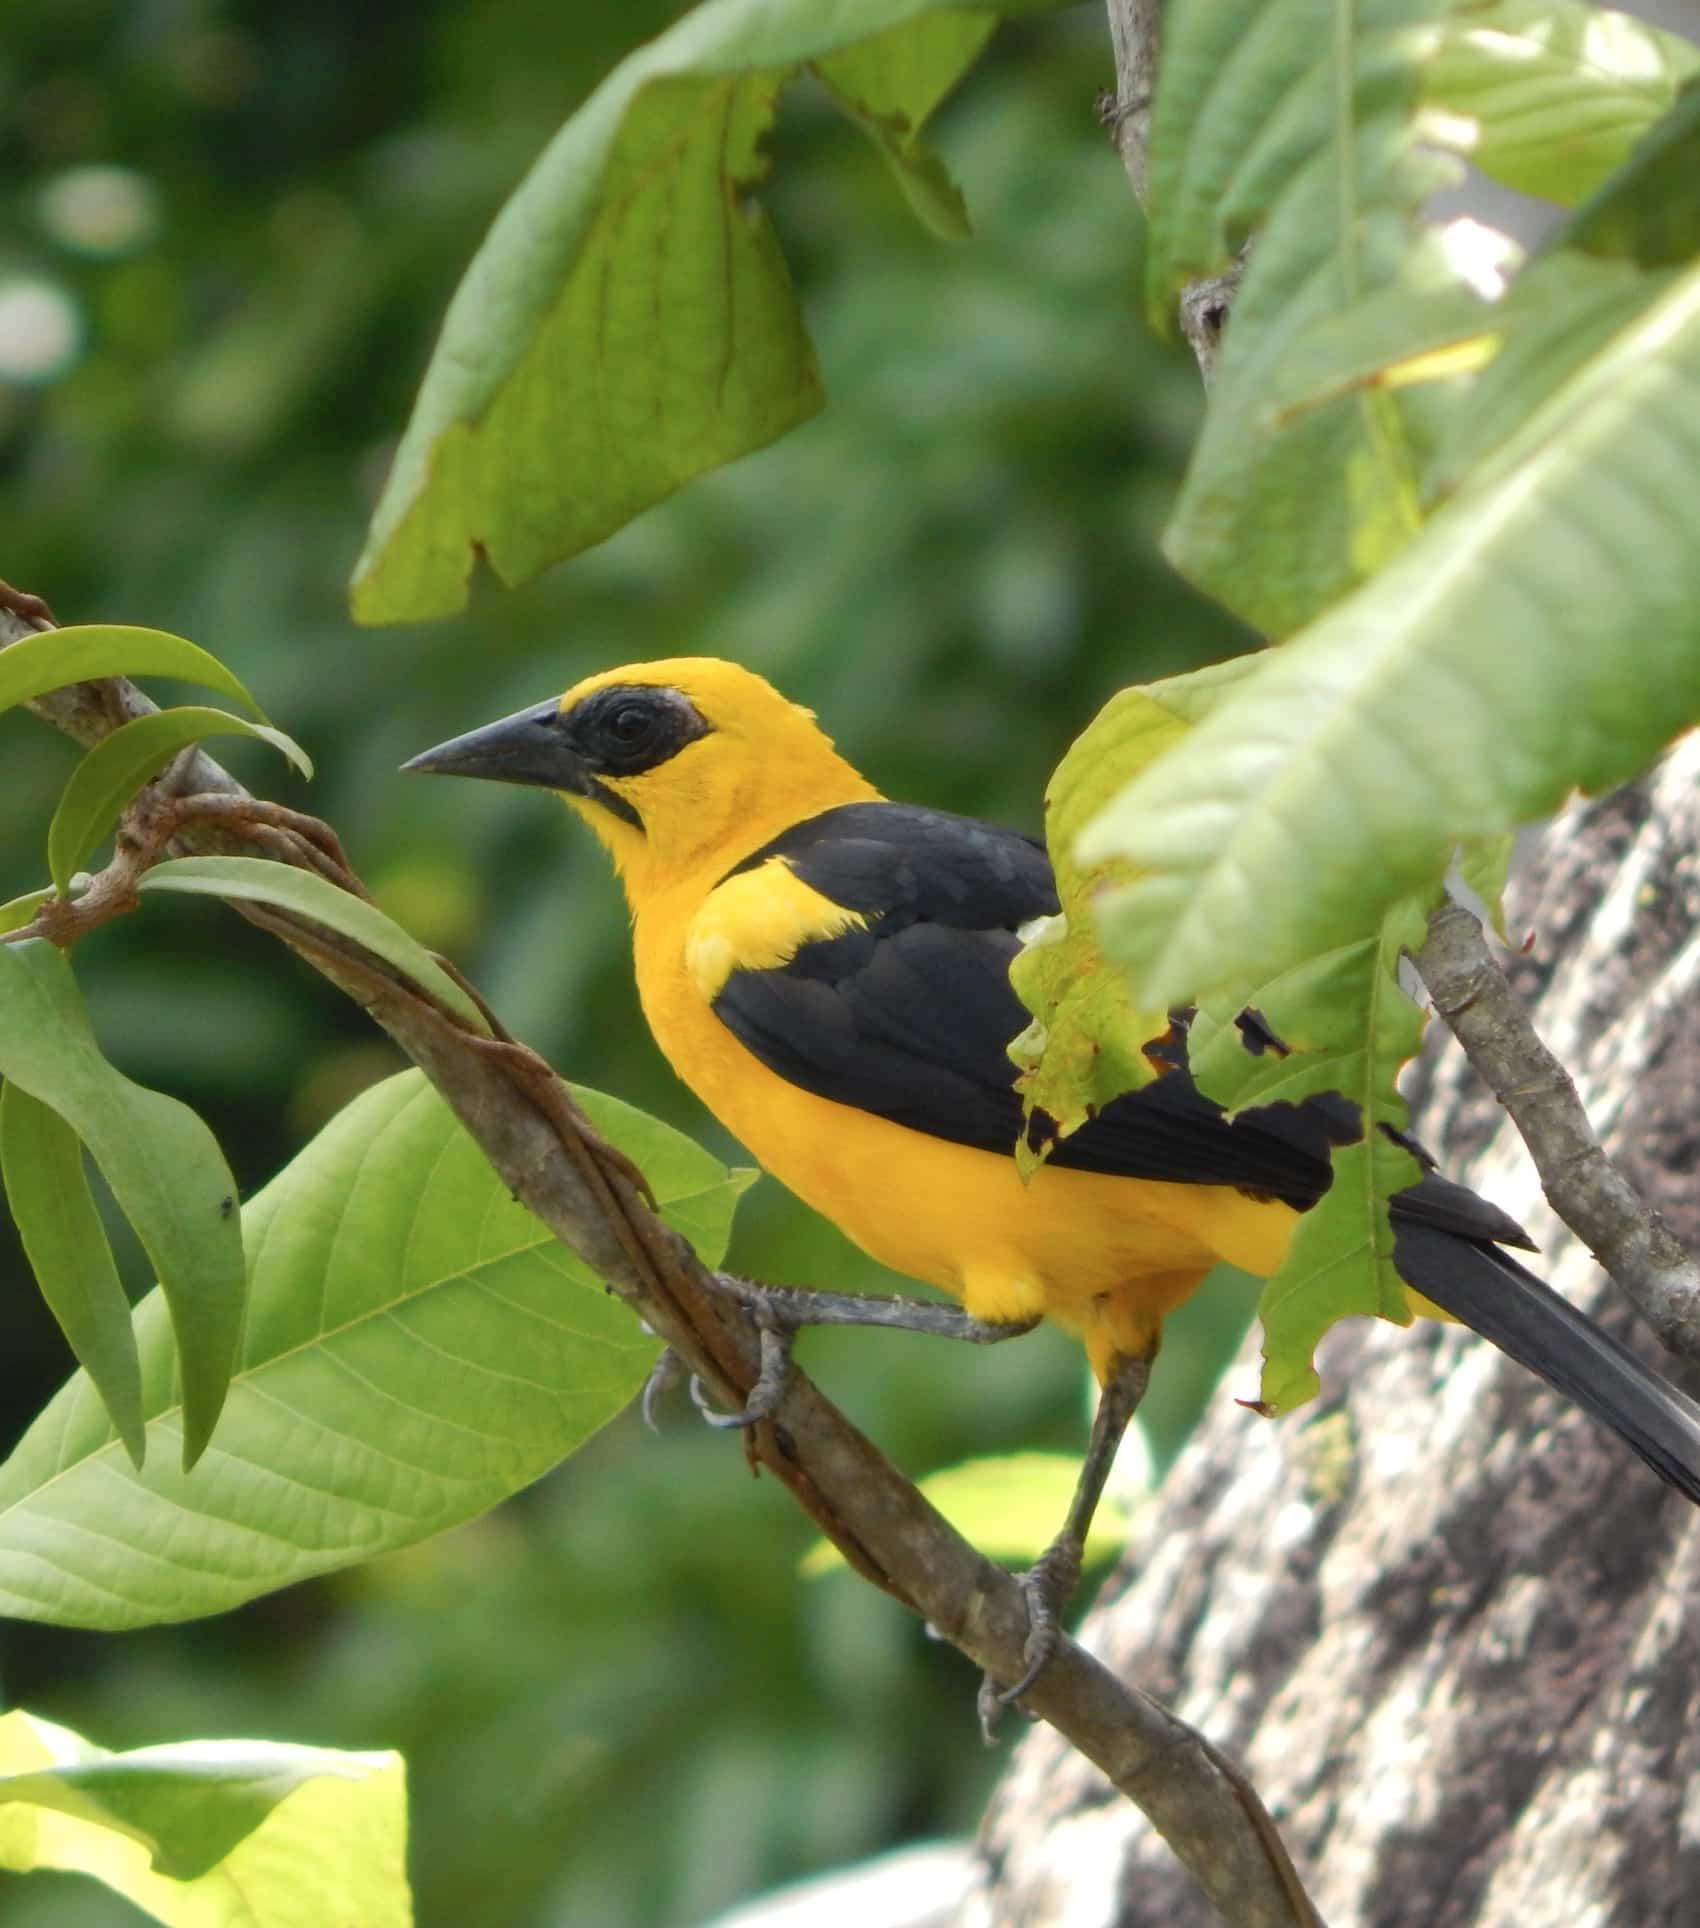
1046, 1586
781, 1311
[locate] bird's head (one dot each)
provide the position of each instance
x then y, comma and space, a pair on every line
669, 763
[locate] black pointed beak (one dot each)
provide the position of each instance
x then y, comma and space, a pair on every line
529, 747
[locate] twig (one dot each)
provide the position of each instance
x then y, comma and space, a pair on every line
1136, 36
1643, 1256
587, 1194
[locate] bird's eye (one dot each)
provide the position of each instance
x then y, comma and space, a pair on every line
630, 725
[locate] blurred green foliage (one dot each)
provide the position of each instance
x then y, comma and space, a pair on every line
619, 1702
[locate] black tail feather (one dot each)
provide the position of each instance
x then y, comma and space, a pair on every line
1490, 1292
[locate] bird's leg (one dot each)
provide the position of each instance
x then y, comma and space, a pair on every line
781, 1311
1052, 1578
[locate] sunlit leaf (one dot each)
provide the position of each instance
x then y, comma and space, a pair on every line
1009, 1507
209, 1832
418, 1347
1548, 96
1538, 635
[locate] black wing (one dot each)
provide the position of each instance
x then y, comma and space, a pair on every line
912, 1017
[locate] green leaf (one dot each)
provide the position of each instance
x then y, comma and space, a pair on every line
1582, 286
1339, 1022
202, 1832
55, 658
418, 1347
630, 323
1339, 1265
1009, 1506
1087, 1042
41, 1161
1647, 212
1538, 635
21, 910
117, 767
258, 880
1293, 120
1548, 96
1484, 864
891, 85
164, 1168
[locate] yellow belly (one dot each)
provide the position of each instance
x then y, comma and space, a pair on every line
1108, 1258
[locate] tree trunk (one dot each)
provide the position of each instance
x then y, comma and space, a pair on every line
1446, 1623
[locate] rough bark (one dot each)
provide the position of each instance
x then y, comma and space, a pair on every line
1448, 1626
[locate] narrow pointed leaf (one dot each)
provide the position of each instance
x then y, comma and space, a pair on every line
55, 658
260, 881
203, 1832
117, 767
163, 1166
418, 1347
41, 1162
21, 910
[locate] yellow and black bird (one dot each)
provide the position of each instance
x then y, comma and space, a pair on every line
829, 973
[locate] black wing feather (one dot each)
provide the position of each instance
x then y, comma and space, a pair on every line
912, 1017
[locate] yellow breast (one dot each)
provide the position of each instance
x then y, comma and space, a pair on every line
1107, 1257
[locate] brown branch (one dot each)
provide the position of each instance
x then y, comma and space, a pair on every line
1136, 36
589, 1196
1640, 1252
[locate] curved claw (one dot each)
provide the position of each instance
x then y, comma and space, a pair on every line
663, 1377
699, 1399
1046, 1587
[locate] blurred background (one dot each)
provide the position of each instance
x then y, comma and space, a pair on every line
227, 233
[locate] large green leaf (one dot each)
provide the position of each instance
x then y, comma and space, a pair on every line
57, 657
260, 881
1293, 120
210, 1832
163, 1165
117, 767
1542, 632
629, 323
1548, 96
418, 1347
1087, 1042
41, 1161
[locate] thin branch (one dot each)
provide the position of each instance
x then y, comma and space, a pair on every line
1136, 36
1643, 1256
534, 1135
